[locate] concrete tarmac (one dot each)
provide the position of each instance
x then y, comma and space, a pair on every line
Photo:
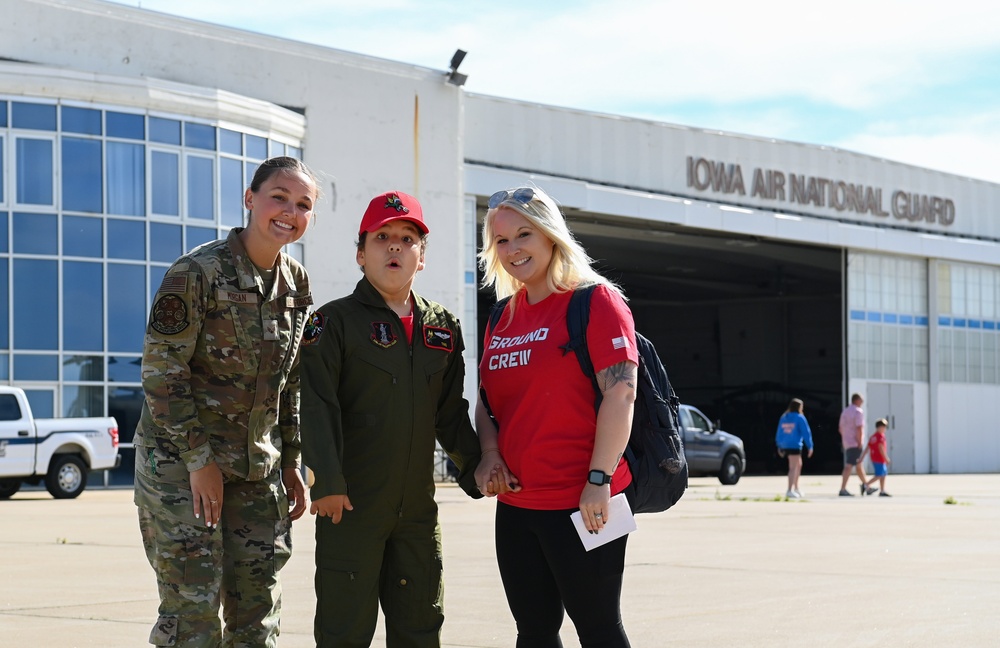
727, 566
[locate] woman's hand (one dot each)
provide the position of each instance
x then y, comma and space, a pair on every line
594, 506
206, 490
295, 489
494, 477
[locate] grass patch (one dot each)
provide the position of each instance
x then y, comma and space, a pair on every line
951, 501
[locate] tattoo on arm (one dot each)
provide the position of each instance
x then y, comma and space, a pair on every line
622, 372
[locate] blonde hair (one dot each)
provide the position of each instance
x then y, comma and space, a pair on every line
570, 266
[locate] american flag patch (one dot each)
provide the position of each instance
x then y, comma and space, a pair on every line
619, 342
174, 283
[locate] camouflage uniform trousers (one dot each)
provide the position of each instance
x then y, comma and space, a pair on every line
234, 564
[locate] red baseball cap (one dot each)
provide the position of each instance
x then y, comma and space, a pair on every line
392, 206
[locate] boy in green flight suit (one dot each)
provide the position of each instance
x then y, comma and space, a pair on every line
382, 378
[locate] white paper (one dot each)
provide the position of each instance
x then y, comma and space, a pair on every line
620, 522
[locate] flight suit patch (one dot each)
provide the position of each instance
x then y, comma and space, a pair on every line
314, 327
382, 334
169, 315
436, 337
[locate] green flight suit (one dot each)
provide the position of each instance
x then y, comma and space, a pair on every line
372, 407
221, 385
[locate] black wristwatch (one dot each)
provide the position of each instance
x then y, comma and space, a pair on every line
598, 478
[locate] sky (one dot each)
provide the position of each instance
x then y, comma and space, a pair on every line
916, 81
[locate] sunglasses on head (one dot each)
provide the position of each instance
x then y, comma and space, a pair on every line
522, 195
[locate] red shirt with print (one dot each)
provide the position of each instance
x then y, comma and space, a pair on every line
876, 444
543, 402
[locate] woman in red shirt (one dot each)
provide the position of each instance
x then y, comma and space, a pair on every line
553, 453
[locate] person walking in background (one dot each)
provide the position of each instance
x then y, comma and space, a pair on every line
382, 380
794, 433
880, 456
549, 453
852, 437
217, 445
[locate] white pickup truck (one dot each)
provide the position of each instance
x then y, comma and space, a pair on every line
59, 451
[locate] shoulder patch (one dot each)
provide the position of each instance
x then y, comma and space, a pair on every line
170, 314
436, 337
382, 334
314, 328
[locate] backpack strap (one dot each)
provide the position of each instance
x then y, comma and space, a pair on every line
577, 319
496, 312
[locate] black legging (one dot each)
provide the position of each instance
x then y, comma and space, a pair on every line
544, 568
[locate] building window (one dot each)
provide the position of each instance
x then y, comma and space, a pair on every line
95, 204
968, 323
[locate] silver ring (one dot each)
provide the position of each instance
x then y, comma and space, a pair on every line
598, 515
213, 501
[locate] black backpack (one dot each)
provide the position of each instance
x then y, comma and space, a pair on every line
655, 451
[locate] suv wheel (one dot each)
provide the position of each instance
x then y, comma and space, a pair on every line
730, 473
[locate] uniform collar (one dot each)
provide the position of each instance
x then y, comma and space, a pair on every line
246, 272
367, 294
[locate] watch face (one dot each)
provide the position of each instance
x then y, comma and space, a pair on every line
599, 478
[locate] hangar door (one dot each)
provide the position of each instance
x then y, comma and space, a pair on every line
742, 324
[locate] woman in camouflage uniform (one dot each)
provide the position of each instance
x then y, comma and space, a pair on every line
217, 446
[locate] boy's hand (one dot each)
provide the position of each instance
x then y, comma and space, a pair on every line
332, 506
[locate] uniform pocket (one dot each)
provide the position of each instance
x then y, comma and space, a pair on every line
164, 633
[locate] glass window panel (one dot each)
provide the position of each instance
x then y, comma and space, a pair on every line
126, 178
890, 351
958, 291
3, 114
3, 232
231, 191
249, 169
988, 293
165, 182
944, 288
34, 116
974, 355
906, 364
164, 242
36, 291
199, 136
86, 121
125, 369
36, 367
83, 312
156, 274
167, 131
944, 354
256, 147
990, 357
2, 176
200, 187
42, 402
36, 234
126, 239
83, 400
82, 236
230, 141
34, 171
125, 125
4, 310
82, 176
126, 307
276, 149
959, 365
83, 368
972, 284
4, 366
295, 152
125, 404
198, 235
874, 351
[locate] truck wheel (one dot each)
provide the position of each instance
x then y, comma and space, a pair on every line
729, 473
67, 476
8, 487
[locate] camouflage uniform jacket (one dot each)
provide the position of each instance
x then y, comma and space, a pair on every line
372, 405
219, 365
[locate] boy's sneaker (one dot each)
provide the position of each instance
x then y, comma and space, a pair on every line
792, 495
845, 493
871, 490
884, 494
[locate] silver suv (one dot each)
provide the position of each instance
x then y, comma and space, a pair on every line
709, 450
